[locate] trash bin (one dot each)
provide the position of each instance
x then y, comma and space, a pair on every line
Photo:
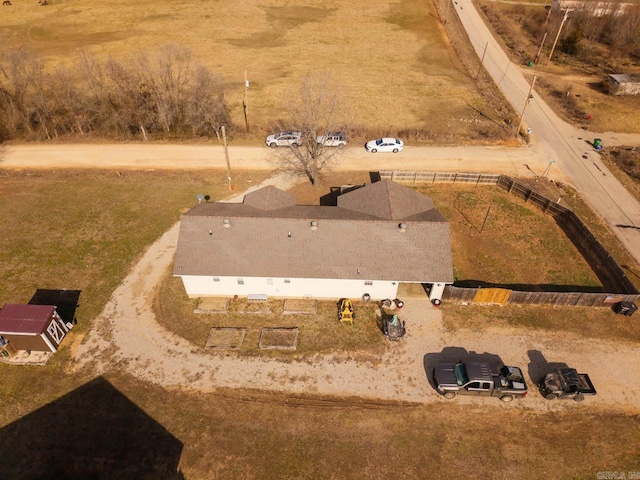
597, 143
625, 308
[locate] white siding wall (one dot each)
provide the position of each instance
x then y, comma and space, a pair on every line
197, 286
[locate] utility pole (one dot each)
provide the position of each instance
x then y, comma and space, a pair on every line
564, 19
548, 13
535, 62
226, 155
245, 103
482, 60
546, 170
529, 97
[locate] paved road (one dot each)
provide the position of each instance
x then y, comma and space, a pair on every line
564, 144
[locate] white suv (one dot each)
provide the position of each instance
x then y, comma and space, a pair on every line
284, 139
332, 139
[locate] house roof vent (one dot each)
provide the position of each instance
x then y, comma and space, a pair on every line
314, 225
226, 223
402, 227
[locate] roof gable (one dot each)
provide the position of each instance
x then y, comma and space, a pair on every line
386, 199
269, 198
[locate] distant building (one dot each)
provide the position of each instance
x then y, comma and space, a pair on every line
624, 84
36, 328
376, 237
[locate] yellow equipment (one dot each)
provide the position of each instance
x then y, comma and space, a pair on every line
345, 311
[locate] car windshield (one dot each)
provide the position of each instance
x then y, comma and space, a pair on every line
379, 141
461, 374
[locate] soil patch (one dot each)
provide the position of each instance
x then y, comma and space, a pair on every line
225, 337
278, 338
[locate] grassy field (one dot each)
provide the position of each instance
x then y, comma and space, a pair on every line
82, 230
390, 61
61, 224
247, 435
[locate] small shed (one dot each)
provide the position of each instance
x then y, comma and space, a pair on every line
37, 328
624, 84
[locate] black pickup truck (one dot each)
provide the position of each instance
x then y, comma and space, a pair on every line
566, 383
478, 379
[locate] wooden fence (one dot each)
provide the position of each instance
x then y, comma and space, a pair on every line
556, 299
601, 261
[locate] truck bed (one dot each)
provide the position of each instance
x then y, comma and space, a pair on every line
574, 382
586, 387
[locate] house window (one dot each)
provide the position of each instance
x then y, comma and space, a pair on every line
216, 279
269, 281
368, 282
241, 281
286, 280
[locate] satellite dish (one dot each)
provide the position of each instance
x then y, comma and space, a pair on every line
200, 197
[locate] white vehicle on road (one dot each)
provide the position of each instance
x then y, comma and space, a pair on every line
385, 145
284, 139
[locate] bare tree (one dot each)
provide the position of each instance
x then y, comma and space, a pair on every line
317, 110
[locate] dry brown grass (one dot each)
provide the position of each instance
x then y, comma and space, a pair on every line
572, 85
318, 333
390, 61
239, 434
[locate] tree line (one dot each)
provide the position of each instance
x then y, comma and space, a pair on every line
167, 95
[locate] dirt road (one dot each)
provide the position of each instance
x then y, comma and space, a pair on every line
506, 160
127, 336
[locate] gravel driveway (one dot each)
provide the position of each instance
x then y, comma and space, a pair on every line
127, 337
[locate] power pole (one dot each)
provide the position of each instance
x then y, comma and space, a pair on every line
226, 155
529, 97
564, 19
548, 13
245, 103
482, 60
535, 62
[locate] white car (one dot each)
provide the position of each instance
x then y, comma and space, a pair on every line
284, 139
384, 145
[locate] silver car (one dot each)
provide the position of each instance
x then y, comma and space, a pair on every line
332, 139
284, 139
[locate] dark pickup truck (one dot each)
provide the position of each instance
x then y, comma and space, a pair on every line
478, 379
566, 383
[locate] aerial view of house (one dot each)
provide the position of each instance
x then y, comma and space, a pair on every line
373, 239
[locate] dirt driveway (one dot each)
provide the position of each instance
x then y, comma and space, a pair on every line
127, 336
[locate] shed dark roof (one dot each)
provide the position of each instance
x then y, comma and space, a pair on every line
359, 238
27, 319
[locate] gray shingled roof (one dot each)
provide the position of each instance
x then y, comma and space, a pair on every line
359, 238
